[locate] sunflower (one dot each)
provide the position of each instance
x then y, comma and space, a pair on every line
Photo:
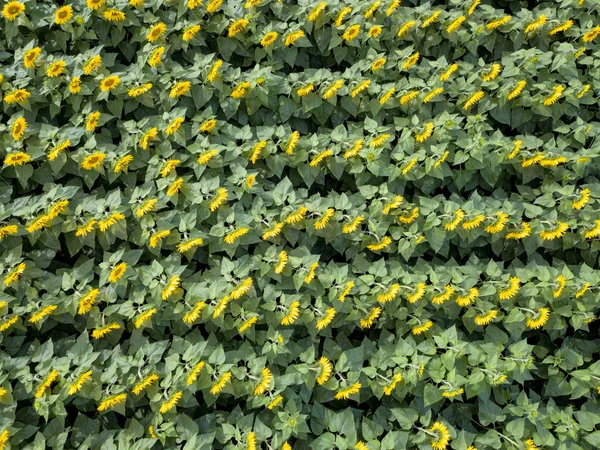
144, 317
31, 56
342, 15
540, 21
498, 23
122, 164
16, 159
180, 88
109, 83
220, 383
455, 24
174, 126
247, 324
148, 137
79, 382
92, 64
145, 383
592, 34
190, 32
293, 37
208, 126
237, 27
92, 161
63, 15
56, 69
307, 89
353, 225
514, 284
469, 297
272, 404
94, 4
584, 198
411, 61
114, 15
110, 402
46, 384
12, 10
473, 99
443, 296
189, 245
517, 90
117, 272
75, 85
426, 133
14, 275
86, 228
442, 436
325, 370
345, 393
168, 405
558, 231
404, 29
539, 319
156, 57
487, 318
266, 377
269, 38
557, 92
240, 90
375, 31
9, 230
213, 6
92, 121
99, 333
241, 289
327, 317
44, 312
434, 16
156, 32
18, 128
213, 73
136, 92
420, 329
378, 64
351, 33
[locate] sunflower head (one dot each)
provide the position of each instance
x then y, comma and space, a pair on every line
63, 15
109, 83
12, 10
16, 159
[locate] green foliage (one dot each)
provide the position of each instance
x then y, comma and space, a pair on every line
365, 225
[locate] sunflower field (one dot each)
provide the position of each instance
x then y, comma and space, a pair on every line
270, 224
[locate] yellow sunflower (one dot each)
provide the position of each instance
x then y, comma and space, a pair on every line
75, 85
114, 15
92, 161
56, 69
63, 15
190, 32
156, 32
94, 4
31, 56
16, 159
12, 10
18, 96
269, 38
18, 128
109, 83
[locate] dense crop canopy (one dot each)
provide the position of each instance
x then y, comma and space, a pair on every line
271, 224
